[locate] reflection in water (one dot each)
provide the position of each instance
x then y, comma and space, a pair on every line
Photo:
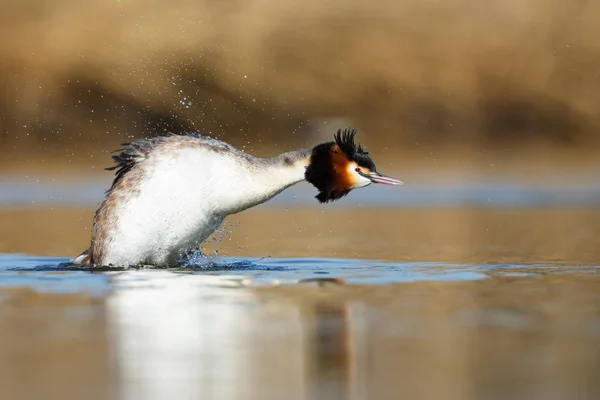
191, 336
198, 336
185, 336
329, 353
162, 334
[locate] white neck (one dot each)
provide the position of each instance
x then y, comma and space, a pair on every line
269, 177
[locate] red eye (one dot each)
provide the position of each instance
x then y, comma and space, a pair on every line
357, 169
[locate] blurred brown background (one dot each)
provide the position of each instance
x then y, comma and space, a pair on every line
77, 78
449, 90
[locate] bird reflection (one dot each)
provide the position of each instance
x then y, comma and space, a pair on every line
329, 358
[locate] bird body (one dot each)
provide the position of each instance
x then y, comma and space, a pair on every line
172, 192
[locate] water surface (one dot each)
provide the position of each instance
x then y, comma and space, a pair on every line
242, 329
358, 303
56, 275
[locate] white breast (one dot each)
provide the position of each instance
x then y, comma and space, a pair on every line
183, 197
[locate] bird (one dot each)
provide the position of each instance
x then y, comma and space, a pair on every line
171, 192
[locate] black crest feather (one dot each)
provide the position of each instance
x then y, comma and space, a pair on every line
354, 151
345, 141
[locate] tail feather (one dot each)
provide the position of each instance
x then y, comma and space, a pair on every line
83, 259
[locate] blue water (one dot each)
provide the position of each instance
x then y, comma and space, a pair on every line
55, 275
35, 193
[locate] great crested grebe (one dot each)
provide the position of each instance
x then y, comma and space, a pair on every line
172, 192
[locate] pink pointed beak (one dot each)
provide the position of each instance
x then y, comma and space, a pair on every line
376, 177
